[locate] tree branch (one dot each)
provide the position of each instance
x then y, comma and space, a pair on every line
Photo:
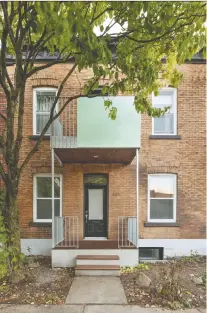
161, 36
3, 116
42, 67
99, 15
8, 21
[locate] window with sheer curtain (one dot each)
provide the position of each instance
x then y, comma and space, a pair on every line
162, 198
43, 101
166, 124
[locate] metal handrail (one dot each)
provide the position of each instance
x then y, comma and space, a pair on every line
66, 231
127, 231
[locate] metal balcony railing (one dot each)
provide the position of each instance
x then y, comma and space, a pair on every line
127, 231
64, 128
66, 230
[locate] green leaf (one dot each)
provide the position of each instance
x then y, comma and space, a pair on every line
101, 28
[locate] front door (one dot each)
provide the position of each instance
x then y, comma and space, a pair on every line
95, 213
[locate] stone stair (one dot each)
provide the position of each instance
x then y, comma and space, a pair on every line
97, 265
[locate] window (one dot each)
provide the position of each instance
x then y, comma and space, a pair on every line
43, 197
162, 198
166, 124
150, 254
43, 99
97, 92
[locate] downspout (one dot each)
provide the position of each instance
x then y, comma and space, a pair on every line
137, 195
53, 196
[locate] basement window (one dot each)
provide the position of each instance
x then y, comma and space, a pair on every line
150, 254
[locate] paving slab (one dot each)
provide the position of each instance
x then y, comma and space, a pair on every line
130, 309
122, 309
96, 290
201, 310
11, 308
41, 309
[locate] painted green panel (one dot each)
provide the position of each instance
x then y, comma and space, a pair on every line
96, 130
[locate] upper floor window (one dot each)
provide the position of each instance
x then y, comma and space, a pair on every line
162, 198
166, 124
43, 197
43, 99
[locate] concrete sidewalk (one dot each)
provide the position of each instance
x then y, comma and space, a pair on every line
96, 290
7, 308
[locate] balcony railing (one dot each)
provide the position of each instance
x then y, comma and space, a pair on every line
127, 231
66, 230
84, 123
64, 128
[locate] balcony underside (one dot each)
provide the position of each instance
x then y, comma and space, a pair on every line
96, 156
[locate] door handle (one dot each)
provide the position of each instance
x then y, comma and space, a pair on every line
86, 216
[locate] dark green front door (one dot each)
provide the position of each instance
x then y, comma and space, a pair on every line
95, 212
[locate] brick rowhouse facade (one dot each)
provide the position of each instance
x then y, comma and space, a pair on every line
184, 157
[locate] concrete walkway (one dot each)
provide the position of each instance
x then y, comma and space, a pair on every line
87, 309
96, 290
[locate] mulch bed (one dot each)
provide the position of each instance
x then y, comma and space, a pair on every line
149, 297
41, 285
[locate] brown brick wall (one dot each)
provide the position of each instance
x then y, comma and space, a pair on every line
185, 157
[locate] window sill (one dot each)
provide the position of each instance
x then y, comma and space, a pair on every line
40, 224
165, 224
36, 137
175, 137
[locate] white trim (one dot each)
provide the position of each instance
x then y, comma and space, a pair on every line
35, 103
174, 177
35, 219
172, 91
95, 238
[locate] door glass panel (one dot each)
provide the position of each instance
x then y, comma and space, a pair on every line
95, 203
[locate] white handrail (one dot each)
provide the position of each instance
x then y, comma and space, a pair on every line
66, 231
127, 231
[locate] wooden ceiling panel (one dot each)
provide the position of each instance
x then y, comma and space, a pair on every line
96, 156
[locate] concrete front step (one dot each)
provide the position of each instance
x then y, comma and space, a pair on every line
97, 260
97, 270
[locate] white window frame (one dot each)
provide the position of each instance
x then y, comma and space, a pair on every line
174, 176
172, 91
35, 219
35, 90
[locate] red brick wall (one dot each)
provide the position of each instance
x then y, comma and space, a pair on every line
185, 157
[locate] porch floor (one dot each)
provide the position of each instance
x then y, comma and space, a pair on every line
95, 244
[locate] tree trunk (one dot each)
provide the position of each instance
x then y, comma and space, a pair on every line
11, 221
